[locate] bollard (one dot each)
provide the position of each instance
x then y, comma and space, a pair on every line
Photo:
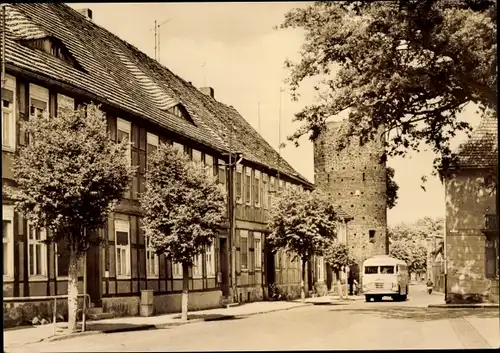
54, 319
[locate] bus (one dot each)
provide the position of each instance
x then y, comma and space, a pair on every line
385, 276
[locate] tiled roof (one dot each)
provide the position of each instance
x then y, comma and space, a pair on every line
123, 76
481, 149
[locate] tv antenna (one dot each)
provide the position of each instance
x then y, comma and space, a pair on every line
157, 28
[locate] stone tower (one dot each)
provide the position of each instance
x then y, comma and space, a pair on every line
355, 181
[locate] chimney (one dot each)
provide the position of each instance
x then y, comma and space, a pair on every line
86, 12
209, 91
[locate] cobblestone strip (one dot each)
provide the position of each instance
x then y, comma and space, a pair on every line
467, 334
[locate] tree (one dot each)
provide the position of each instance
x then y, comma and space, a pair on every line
391, 188
337, 256
69, 177
414, 254
418, 231
407, 67
303, 223
183, 210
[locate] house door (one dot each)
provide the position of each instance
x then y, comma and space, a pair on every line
270, 268
93, 272
224, 266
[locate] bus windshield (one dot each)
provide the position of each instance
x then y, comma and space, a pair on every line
387, 270
371, 270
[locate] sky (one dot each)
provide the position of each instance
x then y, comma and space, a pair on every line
234, 48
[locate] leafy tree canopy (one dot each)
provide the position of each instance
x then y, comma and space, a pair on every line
418, 231
183, 206
302, 222
391, 188
408, 67
337, 256
414, 254
70, 174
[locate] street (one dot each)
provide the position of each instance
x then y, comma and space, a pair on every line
359, 325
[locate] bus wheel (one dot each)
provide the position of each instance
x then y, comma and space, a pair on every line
403, 297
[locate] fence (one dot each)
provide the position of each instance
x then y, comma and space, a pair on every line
53, 297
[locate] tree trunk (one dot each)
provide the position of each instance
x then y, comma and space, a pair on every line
72, 291
185, 291
302, 282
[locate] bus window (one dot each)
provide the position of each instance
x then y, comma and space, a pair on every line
371, 270
387, 270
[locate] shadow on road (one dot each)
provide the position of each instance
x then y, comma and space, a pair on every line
422, 314
211, 317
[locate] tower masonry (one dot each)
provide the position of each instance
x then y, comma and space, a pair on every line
356, 182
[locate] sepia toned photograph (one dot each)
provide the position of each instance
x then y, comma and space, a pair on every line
257, 176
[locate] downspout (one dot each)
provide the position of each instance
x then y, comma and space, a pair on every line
4, 79
445, 244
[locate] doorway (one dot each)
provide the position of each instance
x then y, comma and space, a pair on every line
224, 267
93, 270
270, 270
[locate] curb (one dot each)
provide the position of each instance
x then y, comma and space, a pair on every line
146, 327
460, 306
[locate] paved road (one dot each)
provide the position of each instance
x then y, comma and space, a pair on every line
360, 325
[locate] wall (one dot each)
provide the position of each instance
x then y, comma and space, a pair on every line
341, 174
467, 202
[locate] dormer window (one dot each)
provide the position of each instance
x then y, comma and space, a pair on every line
180, 111
54, 47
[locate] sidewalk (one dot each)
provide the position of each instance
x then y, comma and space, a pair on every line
20, 336
488, 328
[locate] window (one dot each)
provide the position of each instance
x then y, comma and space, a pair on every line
272, 190
37, 252
222, 173
8, 241
122, 238
371, 270
39, 100
248, 185
179, 147
177, 270
258, 249
244, 249
197, 156
320, 268
256, 188
65, 102
198, 266
371, 233
209, 166
153, 143
491, 265
9, 114
152, 261
210, 254
123, 133
387, 270
281, 185
62, 259
239, 183
265, 191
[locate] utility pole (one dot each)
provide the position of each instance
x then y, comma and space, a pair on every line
279, 140
205, 84
156, 42
258, 117
231, 165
